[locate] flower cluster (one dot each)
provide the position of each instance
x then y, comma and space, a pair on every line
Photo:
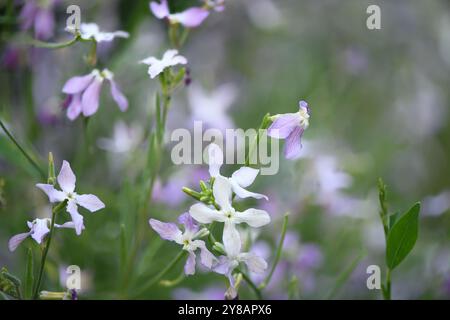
219, 209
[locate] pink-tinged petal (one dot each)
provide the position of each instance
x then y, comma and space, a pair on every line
204, 214
90, 98
283, 125
253, 217
243, 193
74, 108
245, 176
222, 193
215, 159
206, 257
293, 144
77, 218
188, 222
66, 178
15, 241
77, 84
167, 231
40, 230
160, 10
53, 194
90, 202
118, 96
191, 17
254, 263
189, 267
231, 239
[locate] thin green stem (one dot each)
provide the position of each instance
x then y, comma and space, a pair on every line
55, 211
278, 253
252, 285
22, 150
264, 125
161, 274
59, 45
387, 293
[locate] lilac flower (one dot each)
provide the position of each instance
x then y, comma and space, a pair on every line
89, 31
125, 138
189, 18
39, 228
38, 15
170, 58
228, 215
231, 261
188, 239
239, 180
84, 93
290, 126
66, 180
211, 108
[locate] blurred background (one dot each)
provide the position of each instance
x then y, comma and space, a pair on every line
379, 104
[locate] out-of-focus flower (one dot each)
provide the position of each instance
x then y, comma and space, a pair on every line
38, 15
170, 58
39, 228
290, 126
89, 31
239, 180
125, 138
216, 5
84, 93
66, 180
264, 14
188, 239
228, 215
436, 205
189, 18
211, 108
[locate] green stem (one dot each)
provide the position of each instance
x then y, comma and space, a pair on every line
22, 150
55, 211
387, 295
278, 254
264, 125
161, 274
252, 285
59, 45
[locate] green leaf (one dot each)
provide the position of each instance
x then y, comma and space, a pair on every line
293, 289
393, 218
402, 237
29, 278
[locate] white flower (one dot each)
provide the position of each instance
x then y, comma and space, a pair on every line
228, 215
66, 180
169, 59
239, 180
125, 138
90, 31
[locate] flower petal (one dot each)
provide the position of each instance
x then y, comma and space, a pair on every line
293, 144
254, 263
245, 176
189, 267
40, 230
167, 231
223, 265
231, 239
155, 69
90, 202
77, 84
283, 125
253, 217
206, 257
204, 214
53, 194
91, 96
118, 96
215, 159
77, 218
189, 223
160, 10
16, 240
191, 17
74, 108
66, 178
243, 193
222, 193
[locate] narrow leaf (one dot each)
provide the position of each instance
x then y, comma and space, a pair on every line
29, 276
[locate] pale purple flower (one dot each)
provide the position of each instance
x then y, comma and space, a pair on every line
228, 215
170, 58
239, 180
290, 126
190, 18
211, 108
89, 31
66, 180
39, 228
84, 93
39, 16
188, 239
125, 138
